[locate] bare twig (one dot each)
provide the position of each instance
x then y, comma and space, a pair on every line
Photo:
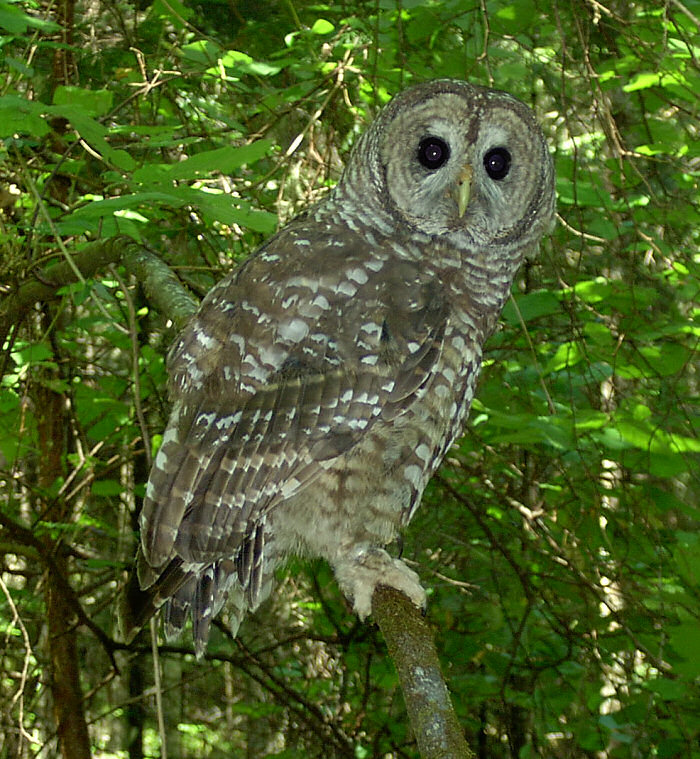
18, 698
158, 689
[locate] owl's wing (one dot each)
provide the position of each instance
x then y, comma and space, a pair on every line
278, 374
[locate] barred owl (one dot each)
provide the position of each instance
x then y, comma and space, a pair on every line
321, 383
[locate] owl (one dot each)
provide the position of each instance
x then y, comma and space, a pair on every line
322, 382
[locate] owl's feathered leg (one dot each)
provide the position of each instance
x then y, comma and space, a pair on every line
362, 569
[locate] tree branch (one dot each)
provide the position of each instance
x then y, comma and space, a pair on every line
411, 646
163, 289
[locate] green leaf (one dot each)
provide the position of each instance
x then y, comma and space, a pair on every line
109, 206
206, 52
590, 419
642, 81
32, 354
244, 64
20, 116
567, 355
92, 102
593, 290
107, 488
321, 26
669, 690
172, 10
16, 21
225, 160
582, 192
532, 306
513, 18
661, 360
687, 557
221, 207
94, 133
685, 639
651, 438
215, 206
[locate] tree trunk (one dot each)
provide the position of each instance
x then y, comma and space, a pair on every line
69, 715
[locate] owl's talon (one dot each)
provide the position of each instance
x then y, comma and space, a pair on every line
365, 569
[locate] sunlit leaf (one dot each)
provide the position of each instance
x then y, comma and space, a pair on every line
321, 26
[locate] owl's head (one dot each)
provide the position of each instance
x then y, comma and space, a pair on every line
457, 161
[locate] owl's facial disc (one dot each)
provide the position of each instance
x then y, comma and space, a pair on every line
463, 162
429, 162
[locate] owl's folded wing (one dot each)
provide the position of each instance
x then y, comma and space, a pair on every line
274, 383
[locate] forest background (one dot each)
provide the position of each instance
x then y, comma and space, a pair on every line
559, 540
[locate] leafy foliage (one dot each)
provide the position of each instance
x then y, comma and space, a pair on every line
560, 537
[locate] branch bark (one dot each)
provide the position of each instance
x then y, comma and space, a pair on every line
163, 289
411, 646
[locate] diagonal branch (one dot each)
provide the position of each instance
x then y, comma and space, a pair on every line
411, 646
163, 289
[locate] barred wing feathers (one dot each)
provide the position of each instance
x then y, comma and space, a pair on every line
278, 375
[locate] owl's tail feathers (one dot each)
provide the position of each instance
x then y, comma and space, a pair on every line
146, 590
202, 596
198, 591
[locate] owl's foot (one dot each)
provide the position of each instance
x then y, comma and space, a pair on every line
360, 573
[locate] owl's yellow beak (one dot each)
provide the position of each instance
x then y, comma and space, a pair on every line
462, 189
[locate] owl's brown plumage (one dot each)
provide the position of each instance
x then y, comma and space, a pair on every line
322, 382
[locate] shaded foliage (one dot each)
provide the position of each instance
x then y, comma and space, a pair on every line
559, 539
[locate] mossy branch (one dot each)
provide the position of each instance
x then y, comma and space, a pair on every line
163, 289
411, 646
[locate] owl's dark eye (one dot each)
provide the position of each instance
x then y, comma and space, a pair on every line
497, 163
433, 152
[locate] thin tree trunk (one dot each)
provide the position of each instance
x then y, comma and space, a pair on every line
69, 715
135, 713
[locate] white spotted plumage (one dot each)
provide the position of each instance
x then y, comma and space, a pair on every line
321, 383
